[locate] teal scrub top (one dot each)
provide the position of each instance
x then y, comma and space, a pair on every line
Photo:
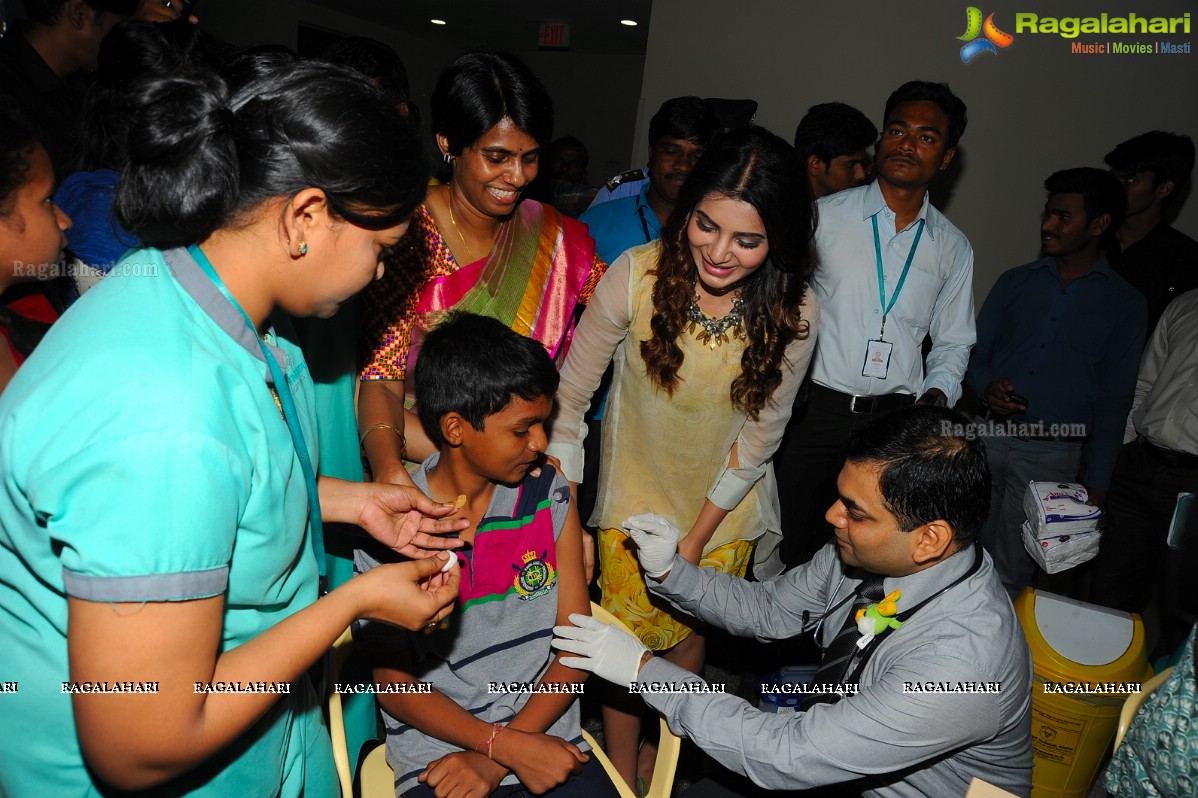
143, 458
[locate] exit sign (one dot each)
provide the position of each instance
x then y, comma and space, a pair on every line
554, 34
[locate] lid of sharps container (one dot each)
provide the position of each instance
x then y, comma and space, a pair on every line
1083, 633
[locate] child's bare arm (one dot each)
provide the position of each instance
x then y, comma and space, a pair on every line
540, 761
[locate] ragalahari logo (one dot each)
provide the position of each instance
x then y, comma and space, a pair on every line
993, 37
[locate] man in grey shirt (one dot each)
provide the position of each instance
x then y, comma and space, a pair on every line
926, 706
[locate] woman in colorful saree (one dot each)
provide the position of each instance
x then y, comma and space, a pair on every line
475, 246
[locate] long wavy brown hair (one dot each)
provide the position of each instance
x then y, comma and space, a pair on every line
754, 166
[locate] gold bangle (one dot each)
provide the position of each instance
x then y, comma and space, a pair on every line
403, 442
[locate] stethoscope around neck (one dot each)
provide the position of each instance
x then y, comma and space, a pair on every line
817, 626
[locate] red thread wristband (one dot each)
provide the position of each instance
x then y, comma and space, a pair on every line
490, 741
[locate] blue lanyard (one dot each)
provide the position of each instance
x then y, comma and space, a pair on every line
882, 275
290, 414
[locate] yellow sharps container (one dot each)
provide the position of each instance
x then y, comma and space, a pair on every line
1086, 659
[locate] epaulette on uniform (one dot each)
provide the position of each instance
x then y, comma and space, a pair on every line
631, 176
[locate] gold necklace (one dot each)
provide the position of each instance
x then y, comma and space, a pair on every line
458, 230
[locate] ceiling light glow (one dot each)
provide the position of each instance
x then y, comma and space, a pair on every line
437, 21
632, 23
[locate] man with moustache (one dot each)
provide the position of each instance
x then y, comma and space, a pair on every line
921, 708
679, 133
891, 271
1058, 348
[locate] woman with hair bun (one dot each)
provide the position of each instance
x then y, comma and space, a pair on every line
160, 526
710, 331
476, 245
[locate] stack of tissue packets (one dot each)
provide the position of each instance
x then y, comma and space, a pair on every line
1061, 530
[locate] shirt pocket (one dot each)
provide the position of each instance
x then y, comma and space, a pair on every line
918, 298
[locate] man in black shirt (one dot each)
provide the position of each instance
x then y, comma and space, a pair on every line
1158, 260
60, 39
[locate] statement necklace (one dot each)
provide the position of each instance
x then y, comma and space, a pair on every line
715, 332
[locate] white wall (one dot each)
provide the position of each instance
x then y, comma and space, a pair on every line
1034, 108
595, 94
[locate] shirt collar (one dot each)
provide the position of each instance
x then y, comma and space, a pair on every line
924, 584
214, 304
1101, 266
874, 203
645, 211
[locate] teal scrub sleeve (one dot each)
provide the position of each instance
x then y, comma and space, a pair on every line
147, 517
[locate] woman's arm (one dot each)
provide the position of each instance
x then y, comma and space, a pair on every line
604, 324
759, 439
142, 740
381, 402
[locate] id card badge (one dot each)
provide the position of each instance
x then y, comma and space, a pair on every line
877, 359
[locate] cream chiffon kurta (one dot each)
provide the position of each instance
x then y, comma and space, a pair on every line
667, 453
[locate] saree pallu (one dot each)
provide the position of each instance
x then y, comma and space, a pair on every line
541, 269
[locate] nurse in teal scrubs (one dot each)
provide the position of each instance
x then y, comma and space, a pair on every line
160, 510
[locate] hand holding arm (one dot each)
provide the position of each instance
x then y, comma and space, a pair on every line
606, 651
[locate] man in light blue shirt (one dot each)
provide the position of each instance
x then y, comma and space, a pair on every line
891, 271
679, 133
1059, 345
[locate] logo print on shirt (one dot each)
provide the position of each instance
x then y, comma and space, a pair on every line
535, 576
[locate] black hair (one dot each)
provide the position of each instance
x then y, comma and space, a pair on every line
47, 12
830, 130
245, 66
18, 143
373, 59
939, 93
1101, 193
687, 118
133, 49
932, 467
199, 160
571, 141
1168, 156
751, 165
474, 365
479, 90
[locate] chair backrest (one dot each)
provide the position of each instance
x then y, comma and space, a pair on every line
669, 746
376, 778
337, 657
1132, 704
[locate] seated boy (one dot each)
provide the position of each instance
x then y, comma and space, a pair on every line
501, 717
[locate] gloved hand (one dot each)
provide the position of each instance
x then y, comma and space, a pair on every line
656, 542
608, 652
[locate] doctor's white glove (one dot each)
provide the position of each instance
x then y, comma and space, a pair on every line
656, 542
606, 651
